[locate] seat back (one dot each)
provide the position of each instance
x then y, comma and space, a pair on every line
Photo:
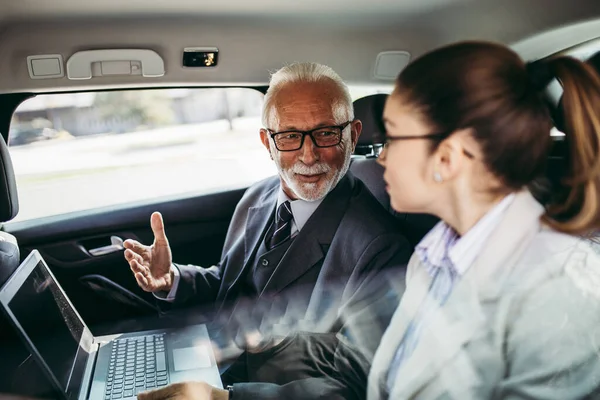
371, 174
369, 110
9, 207
14, 353
365, 167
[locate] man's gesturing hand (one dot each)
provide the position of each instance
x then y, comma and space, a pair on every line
151, 265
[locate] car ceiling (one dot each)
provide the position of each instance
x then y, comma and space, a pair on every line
255, 37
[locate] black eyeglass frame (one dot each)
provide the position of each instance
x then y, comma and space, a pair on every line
310, 134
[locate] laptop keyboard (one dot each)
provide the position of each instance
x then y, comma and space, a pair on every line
137, 364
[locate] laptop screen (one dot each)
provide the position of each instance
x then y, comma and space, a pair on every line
47, 318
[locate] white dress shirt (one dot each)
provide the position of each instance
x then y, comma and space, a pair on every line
301, 212
443, 247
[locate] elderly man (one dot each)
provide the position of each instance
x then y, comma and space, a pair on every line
313, 224
314, 231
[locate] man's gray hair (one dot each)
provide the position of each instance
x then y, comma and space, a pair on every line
343, 109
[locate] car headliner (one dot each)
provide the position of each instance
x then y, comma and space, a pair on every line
255, 37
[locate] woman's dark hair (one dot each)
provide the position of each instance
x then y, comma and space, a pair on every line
487, 88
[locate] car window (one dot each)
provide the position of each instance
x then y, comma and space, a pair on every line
363, 90
80, 151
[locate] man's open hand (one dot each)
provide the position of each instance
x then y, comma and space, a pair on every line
151, 265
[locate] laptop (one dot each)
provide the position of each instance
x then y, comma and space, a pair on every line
81, 366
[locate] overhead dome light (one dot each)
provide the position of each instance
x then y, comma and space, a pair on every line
389, 64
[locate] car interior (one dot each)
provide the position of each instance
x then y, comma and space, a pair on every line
53, 50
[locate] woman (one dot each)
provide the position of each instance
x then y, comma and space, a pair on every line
503, 295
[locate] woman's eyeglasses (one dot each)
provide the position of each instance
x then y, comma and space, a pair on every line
432, 136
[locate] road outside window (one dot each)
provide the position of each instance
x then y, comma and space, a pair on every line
82, 151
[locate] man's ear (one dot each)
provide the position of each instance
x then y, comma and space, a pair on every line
356, 127
264, 138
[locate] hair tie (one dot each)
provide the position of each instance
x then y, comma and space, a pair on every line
540, 74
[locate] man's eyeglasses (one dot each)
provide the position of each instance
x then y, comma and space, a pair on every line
326, 136
431, 136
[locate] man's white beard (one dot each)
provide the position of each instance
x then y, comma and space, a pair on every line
313, 191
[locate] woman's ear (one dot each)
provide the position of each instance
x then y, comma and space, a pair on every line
450, 156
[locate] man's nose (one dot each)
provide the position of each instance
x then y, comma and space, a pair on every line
308, 152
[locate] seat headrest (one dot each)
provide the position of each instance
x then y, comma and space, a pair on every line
9, 202
371, 174
594, 61
559, 113
369, 110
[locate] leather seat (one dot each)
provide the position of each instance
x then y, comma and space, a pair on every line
364, 161
369, 110
9, 207
14, 353
365, 167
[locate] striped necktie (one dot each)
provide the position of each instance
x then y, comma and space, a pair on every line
283, 225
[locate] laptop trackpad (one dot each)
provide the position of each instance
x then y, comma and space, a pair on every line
191, 358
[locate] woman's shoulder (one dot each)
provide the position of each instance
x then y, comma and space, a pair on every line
563, 260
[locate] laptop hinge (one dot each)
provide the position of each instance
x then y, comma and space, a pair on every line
88, 375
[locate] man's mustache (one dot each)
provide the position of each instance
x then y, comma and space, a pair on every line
316, 169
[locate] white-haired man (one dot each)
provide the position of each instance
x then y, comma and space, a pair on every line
288, 231
312, 225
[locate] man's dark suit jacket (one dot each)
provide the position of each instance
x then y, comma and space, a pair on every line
333, 269
348, 239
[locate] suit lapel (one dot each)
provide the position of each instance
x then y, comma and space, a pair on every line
462, 318
259, 219
257, 223
316, 235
